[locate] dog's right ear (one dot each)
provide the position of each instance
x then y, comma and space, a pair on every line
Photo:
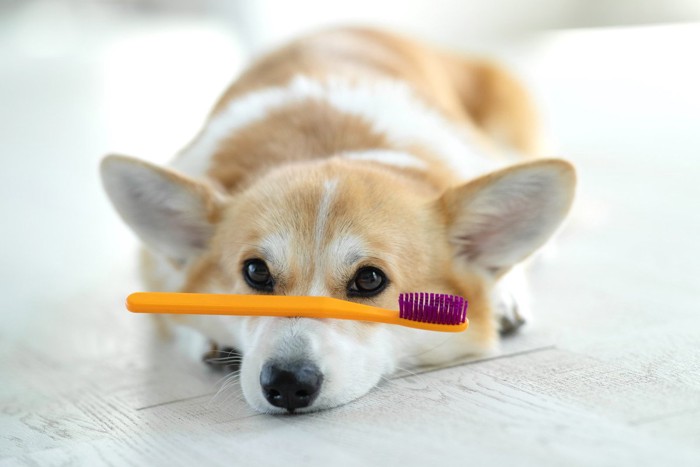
171, 213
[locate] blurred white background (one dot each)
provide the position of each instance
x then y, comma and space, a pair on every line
617, 83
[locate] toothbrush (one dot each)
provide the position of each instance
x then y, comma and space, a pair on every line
429, 311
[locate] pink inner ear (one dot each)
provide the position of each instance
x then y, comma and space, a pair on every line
509, 218
165, 210
489, 234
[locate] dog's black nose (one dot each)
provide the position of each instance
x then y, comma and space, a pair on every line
291, 386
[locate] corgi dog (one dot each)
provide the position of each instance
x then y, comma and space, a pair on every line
354, 164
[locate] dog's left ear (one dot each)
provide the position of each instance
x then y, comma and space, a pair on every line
172, 214
497, 220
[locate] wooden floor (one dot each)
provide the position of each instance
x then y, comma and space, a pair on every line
609, 374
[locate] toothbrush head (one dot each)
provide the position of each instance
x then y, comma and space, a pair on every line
434, 308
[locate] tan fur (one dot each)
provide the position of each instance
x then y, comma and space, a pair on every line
473, 93
283, 137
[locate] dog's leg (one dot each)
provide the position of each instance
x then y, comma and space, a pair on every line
512, 301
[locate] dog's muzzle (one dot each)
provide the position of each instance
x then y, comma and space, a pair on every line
292, 385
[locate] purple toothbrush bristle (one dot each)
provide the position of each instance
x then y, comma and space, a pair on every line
434, 308
421, 313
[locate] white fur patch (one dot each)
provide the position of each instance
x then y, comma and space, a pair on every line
170, 278
512, 293
389, 106
382, 156
318, 286
345, 250
275, 248
329, 189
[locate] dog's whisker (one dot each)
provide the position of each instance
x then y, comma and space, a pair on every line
230, 382
405, 370
411, 373
386, 380
236, 395
218, 355
222, 361
227, 357
223, 390
241, 403
224, 378
432, 348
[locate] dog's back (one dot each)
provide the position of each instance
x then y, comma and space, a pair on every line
351, 90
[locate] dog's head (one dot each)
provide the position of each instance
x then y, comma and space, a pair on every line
343, 229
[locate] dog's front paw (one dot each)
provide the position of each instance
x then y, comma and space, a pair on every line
512, 302
223, 358
510, 318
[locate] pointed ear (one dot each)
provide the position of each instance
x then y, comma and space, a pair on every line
171, 213
497, 220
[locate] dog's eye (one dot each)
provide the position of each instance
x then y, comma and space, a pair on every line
257, 275
368, 281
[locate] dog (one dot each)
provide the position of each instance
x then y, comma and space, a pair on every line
356, 164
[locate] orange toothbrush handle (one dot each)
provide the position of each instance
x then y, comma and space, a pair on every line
272, 305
